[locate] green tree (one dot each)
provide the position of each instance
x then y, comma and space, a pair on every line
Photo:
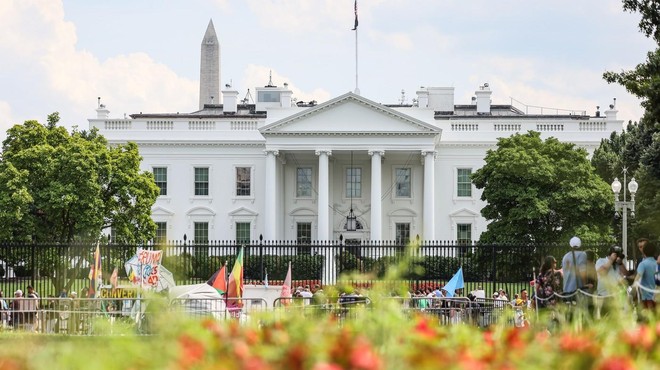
14, 198
72, 186
640, 152
61, 187
542, 192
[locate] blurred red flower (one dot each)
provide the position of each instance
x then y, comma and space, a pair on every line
192, 351
363, 356
616, 363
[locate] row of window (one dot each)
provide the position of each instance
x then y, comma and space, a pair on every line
304, 188
201, 232
303, 232
402, 233
201, 185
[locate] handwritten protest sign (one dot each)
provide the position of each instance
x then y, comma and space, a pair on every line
143, 268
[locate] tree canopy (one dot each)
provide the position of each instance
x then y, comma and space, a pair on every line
542, 192
58, 186
637, 148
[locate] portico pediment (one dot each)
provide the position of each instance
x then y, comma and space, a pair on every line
349, 114
244, 212
464, 212
161, 211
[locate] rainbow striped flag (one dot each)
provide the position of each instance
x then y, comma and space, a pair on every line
236, 283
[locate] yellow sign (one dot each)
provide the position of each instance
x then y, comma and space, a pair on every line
121, 293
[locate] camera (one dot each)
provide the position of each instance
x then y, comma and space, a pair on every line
619, 252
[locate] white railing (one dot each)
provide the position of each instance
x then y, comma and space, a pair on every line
117, 124
549, 127
160, 125
507, 127
201, 125
593, 126
243, 125
465, 127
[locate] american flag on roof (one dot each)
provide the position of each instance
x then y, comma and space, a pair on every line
356, 18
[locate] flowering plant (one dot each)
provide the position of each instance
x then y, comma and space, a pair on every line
385, 334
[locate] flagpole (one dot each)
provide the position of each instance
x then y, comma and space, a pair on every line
357, 89
226, 283
355, 28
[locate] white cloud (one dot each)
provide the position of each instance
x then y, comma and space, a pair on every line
42, 41
302, 15
398, 40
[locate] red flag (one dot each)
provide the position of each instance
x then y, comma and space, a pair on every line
219, 280
286, 288
113, 278
356, 19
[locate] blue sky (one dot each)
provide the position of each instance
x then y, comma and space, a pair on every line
143, 55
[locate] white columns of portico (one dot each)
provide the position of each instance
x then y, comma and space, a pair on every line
324, 195
270, 214
376, 194
429, 194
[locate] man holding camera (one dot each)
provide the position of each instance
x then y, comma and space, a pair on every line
611, 273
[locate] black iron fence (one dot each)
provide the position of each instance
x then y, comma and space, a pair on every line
52, 268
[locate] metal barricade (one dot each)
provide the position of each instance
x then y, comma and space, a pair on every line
448, 311
79, 316
219, 308
491, 311
72, 316
346, 307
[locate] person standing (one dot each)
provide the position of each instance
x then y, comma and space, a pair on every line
4, 309
521, 304
548, 283
646, 275
17, 314
574, 268
31, 292
657, 273
609, 277
31, 307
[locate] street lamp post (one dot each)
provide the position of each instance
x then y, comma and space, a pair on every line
624, 206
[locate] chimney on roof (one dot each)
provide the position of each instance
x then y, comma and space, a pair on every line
483, 99
436, 98
285, 96
422, 97
230, 100
610, 114
101, 111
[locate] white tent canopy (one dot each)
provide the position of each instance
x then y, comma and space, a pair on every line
199, 300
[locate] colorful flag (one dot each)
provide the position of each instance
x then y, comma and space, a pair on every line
113, 278
356, 19
95, 272
219, 280
236, 283
286, 287
456, 282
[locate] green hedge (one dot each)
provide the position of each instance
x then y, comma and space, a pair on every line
202, 267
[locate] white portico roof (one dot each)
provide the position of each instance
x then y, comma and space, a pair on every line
351, 121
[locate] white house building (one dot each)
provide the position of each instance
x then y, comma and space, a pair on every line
297, 171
